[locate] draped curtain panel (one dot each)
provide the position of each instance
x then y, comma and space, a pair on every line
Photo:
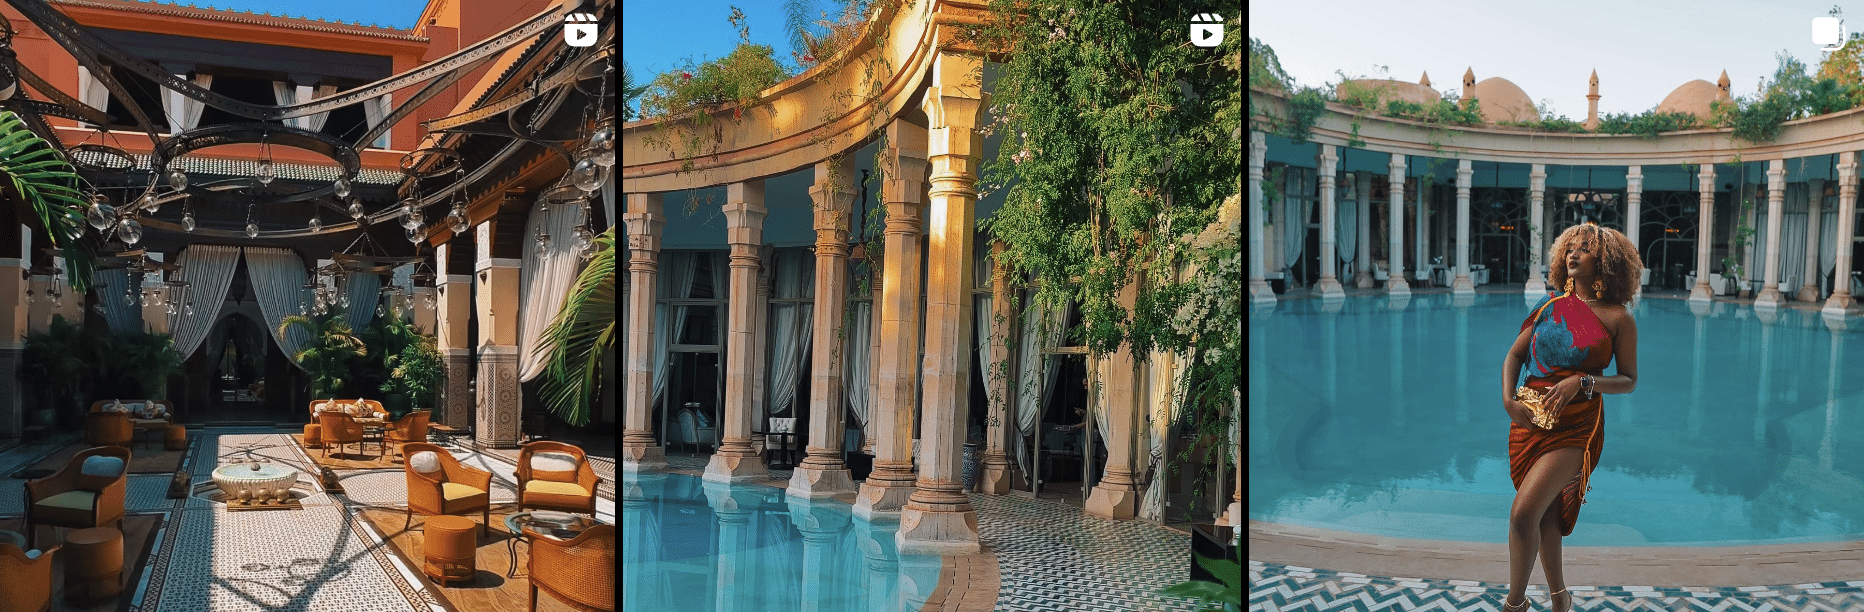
1294, 221
1828, 236
857, 344
608, 204
124, 317
981, 339
375, 109
365, 292
1346, 221
208, 269
283, 94
1793, 239
91, 91
184, 113
1042, 328
316, 122
791, 326
1161, 391
278, 277
545, 284
675, 280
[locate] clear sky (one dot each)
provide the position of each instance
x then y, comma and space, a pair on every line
385, 13
655, 36
1642, 50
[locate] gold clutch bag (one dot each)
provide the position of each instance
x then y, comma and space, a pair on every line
1531, 398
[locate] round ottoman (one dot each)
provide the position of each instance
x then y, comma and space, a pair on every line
176, 438
450, 544
313, 436
93, 565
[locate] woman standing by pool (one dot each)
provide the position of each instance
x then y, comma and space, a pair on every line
1566, 344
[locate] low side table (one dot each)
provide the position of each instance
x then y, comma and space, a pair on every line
448, 547
93, 565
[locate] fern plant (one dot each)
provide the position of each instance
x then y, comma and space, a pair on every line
327, 357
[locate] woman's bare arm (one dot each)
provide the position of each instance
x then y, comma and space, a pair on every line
1624, 344
1511, 364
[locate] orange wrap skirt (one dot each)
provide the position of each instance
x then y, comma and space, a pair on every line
1581, 424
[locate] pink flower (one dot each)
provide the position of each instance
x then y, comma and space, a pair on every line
686, 75
809, 58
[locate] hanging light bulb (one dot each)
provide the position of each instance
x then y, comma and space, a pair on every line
343, 300
427, 300
266, 173
355, 208
585, 242
129, 298
415, 234
252, 230
586, 175
170, 308
150, 203
187, 221
129, 231
187, 309
317, 223
177, 179
380, 311
458, 221
342, 187
602, 146
101, 214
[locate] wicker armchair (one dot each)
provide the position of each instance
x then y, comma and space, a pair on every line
108, 428
580, 572
338, 429
411, 428
449, 488
27, 581
571, 490
73, 498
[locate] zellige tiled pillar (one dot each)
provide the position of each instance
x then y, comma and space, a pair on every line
1776, 201
735, 460
453, 315
896, 364
1395, 283
1809, 282
1465, 172
938, 518
1329, 285
497, 419
644, 220
1847, 207
822, 473
995, 478
1705, 187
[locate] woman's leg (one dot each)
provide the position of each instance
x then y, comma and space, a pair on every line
1551, 472
1550, 557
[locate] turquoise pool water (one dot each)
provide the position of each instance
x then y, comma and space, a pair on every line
693, 546
1383, 419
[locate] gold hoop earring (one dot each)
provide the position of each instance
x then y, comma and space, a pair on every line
1569, 284
1598, 287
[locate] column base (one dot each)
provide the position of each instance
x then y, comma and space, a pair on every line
1536, 289
1462, 284
1232, 516
995, 480
637, 459
1117, 502
1259, 291
1701, 292
1396, 285
1807, 293
938, 532
1838, 304
882, 499
1330, 287
812, 482
1768, 297
735, 468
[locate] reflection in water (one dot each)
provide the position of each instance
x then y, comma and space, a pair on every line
1381, 418
689, 545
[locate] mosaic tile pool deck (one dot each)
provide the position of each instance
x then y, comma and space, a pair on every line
1275, 587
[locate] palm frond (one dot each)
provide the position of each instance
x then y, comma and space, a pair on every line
578, 336
43, 177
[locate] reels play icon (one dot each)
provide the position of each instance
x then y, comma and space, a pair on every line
1207, 30
579, 29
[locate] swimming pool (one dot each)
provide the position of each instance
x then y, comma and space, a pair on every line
694, 546
1373, 419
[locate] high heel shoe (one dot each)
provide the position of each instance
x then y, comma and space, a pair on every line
1520, 607
1569, 599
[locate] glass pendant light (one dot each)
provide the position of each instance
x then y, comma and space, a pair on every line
602, 146
252, 230
101, 214
129, 298
355, 208
150, 204
266, 173
177, 179
187, 309
317, 222
342, 187
458, 221
187, 221
586, 175
129, 231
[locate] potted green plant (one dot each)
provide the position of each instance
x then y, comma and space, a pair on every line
52, 366
387, 337
415, 374
327, 356
150, 359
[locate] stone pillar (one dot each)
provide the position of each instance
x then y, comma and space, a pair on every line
822, 473
1329, 285
882, 564
1705, 185
1537, 205
1840, 300
1465, 172
1395, 283
645, 218
760, 341
1809, 286
938, 518
1423, 231
1362, 260
1117, 494
638, 492
453, 315
1634, 204
995, 478
735, 460
896, 364
1258, 287
498, 396
1776, 200
821, 525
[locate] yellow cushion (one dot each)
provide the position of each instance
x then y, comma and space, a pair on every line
452, 491
555, 488
75, 500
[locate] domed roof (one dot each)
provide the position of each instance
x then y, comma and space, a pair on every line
1502, 100
1692, 98
1388, 89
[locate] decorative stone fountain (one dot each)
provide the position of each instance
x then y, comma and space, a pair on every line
256, 483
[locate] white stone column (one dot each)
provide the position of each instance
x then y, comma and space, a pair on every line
1537, 206
1362, 259
1809, 286
822, 473
1423, 230
645, 218
1395, 283
1776, 200
1258, 287
994, 478
736, 569
938, 518
886, 488
882, 564
1840, 301
1329, 285
1116, 496
1705, 184
1634, 204
1465, 172
736, 460
821, 525
638, 495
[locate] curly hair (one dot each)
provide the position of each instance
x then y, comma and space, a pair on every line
1620, 267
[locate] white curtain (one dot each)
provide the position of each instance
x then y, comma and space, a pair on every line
314, 122
856, 346
676, 271
278, 277
184, 113
92, 91
1828, 238
1161, 391
365, 292
608, 204
1294, 216
124, 318
283, 94
208, 269
545, 283
791, 327
375, 110
1346, 222
1036, 374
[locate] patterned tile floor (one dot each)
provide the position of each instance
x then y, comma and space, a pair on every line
1055, 558
319, 559
1274, 587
